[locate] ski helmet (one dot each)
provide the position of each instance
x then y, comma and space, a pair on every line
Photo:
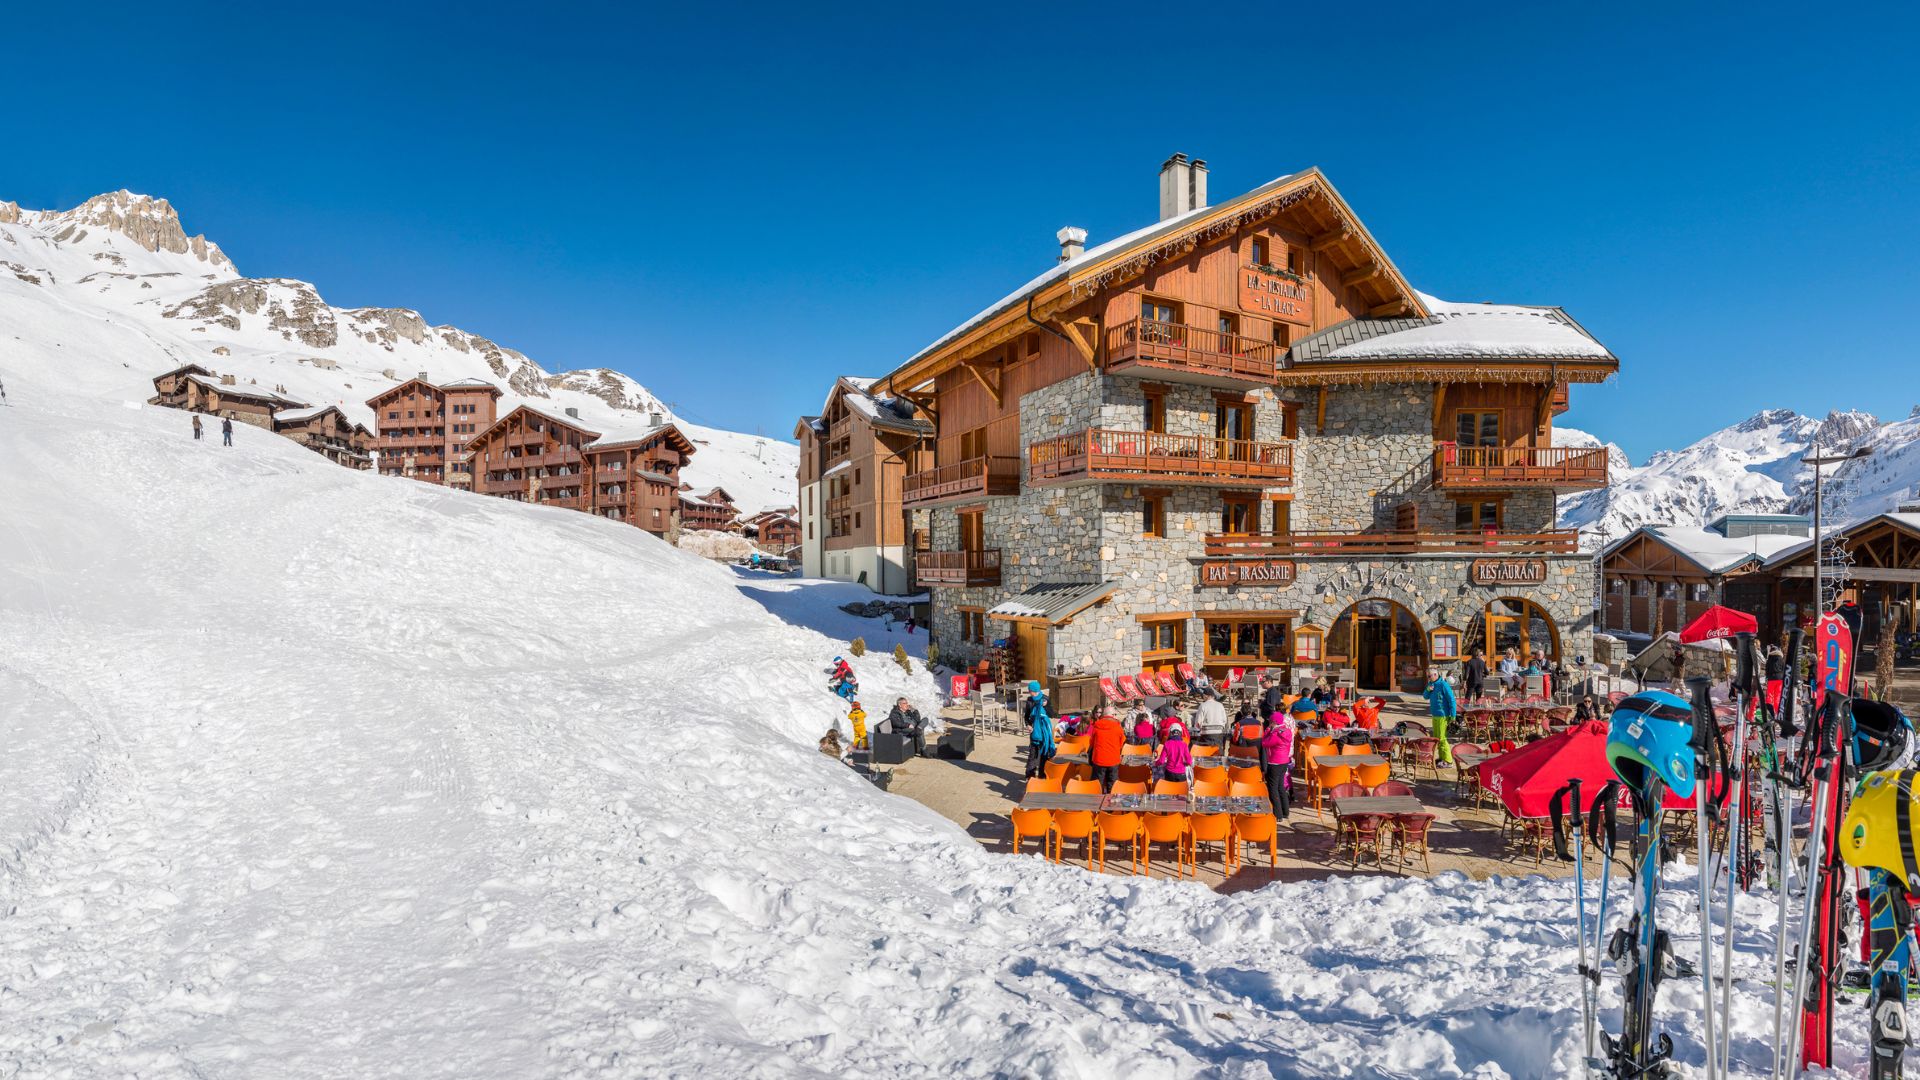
1878, 831
1880, 734
1652, 732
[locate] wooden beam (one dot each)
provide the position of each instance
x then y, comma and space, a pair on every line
1360, 274
1861, 573
1395, 306
992, 389
1079, 341
1439, 408
1333, 239
1543, 409
1320, 412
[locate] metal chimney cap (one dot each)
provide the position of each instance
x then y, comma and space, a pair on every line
1072, 234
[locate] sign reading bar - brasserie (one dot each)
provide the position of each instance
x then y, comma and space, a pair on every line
1247, 572
1508, 572
1276, 295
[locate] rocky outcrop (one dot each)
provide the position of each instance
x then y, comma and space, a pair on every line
387, 326
615, 389
292, 307
9, 213
151, 223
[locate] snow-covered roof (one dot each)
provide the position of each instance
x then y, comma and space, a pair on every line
882, 409
296, 416
1801, 545
840, 468
476, 384
1054, 601
623, 437
1477, 331
248, 391
1711, 551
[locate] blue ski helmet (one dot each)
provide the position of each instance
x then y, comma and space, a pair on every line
1652, 732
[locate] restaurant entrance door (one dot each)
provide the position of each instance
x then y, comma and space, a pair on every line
1031, 642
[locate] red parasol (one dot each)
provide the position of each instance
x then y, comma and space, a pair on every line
1526, 779
1719, 622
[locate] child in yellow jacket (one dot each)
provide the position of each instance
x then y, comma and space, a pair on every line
859, 718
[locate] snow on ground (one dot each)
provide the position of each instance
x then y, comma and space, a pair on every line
317, 774
815, 603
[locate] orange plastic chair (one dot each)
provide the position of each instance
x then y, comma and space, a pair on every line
1055, 770
1073, 825
1372, 776
1080, 772
1164, 829
1327, 777
1118, 827
1210, 787
1213, 829
1075, 745
1084, 787
1169, 787
1205, 751
1247, 789
1355, 748
1136, 748
1245, 774
1037, 785
1035, 824
1135, 774
1130, 787
1255, 828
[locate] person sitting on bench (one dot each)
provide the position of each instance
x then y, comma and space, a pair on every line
906, 720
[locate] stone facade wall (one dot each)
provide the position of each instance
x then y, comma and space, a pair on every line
1375, 454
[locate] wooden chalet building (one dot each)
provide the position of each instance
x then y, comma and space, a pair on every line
777, 530
855, 462
1237, 437
1661, 577
531, 456
1881, 574
422, 429
327, 431
714, 510
195, 389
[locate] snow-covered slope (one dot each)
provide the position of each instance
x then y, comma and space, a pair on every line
311, 774
1751, 467
125, 259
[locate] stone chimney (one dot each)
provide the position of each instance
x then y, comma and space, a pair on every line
1073, 241
1183, 186
423, 377
654, 419
573, 412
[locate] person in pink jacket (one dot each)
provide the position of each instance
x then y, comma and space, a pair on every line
1175, 759
1276, 761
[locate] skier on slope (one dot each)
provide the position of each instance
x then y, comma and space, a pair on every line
196, 427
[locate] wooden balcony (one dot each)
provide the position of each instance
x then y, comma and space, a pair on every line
1178, 353
568, 502
1099, 455
961, 568
521, 439
1476, 545
986, 477
1505, 468
840, 504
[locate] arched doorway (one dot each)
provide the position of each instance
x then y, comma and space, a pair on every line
1516, 623
1382, 643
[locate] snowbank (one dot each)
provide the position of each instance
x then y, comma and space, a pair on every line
330, 775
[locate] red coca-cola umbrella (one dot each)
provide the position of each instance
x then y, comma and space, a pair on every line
1719, 622
1526, 778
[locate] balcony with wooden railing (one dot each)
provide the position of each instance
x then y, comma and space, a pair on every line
962, 568
1504, 468
1362, 544
1150, 457
840, 504
986, 477
1181, 353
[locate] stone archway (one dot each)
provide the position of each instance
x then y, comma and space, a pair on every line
1381, 642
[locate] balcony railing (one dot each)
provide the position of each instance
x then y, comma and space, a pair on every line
1188, 353
569, 502
989, 476
958, 567
526, 438
1100, 454
840, 504
1478, 545
1506, 467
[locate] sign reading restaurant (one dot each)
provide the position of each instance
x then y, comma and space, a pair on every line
1246, 572
1508, 572
1279, 296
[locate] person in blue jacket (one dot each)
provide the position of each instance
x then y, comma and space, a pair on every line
1040, 743
1441, 708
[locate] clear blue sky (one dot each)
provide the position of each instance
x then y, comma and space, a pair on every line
734, 205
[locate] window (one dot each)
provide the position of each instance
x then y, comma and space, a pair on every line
1239, 514
1476, 428
856, 478
1164, 311
1282, 516
393, 414
972, 530
1154, 413
1309, 645
1247, 639
1229, 325
1282, 336
1290, 420
973, 626
1163, 639
1445, 643
1257, 252
1476, 516
1232, 420
1153, 515
1293, 259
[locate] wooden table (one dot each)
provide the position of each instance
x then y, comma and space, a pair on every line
1148, 804
1377, 804
1465, 762
1211, 761
1349, 759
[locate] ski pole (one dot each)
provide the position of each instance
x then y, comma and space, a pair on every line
1703, 726
1783, 839
1580, 917
1736, 823
1824, 778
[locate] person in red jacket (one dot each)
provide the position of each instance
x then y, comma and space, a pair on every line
1103, 750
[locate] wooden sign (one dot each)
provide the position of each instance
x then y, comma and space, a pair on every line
1247, 572
1276, 296
1508, 572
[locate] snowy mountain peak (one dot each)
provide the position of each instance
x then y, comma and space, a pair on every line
149, 222
1844, 428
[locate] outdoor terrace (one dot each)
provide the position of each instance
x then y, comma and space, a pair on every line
1502, 468
958, 567
1103, 455
975, 478
1191, 354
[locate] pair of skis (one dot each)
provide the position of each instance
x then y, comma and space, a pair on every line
1714, 760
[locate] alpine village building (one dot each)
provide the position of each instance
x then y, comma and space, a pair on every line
423, 429
531, 456
1237, 438
855, 459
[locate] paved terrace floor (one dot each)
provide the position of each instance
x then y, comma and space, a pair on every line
977, 794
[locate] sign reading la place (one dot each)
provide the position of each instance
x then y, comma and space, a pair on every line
1276, 295
1247, 572
1508, 572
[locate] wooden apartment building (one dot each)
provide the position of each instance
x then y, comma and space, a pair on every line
196, 389
854, 461
1238, 437
326, 431
422, 429
531, 456
714, 510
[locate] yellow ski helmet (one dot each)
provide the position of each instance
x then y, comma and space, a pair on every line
1878, 832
